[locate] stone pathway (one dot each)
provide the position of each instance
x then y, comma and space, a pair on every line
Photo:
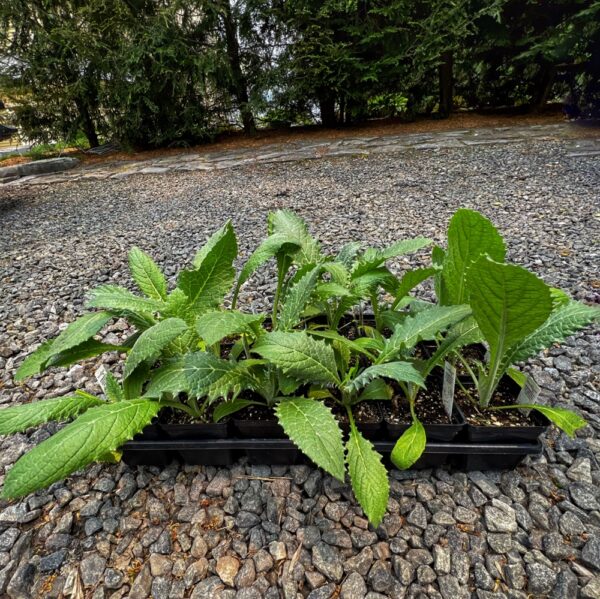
578, 146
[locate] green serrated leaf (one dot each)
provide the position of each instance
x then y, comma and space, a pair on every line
410, 280
80, 330
370, 279
326, 291
368, 476
566, 420
203, 369
406, 246
348, 253
340, 275
562, 322
289, 225
219, 239
152, 341
296, 300
313, 428
169, 378
425, 325
509, 303
464, 333
177, 305
300, 356
147, 275
287, 384
214, 377
376, 390
18, 419
215, 326
114, 392
239, 378
269, 248
410, 446
140, 320
95, 434
133, 385
112, 297
470, 236
559, 297
207, 285
373, 258
34, 363
83, 351
397, 371
360, 345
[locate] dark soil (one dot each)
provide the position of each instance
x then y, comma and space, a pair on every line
257, 413
502, 397
366, 412
428, 406
170, 416
471, 354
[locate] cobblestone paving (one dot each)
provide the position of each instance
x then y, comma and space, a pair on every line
311, 150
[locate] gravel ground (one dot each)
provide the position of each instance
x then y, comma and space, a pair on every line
253, 531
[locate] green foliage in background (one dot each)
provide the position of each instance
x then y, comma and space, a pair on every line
174, 72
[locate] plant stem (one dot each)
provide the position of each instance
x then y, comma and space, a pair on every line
196, 407
411, 405
350, 417
468, 396
375, 306
245, 344
281, 268
467, 367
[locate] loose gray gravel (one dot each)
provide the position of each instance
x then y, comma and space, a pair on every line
247, 532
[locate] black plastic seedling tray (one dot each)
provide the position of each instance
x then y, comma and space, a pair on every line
507, 434
215, 452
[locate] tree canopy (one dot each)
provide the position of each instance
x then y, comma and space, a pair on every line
159, 72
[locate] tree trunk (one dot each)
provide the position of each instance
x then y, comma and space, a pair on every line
327, 108
87, 124
239, 87
544, 86
446, 83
